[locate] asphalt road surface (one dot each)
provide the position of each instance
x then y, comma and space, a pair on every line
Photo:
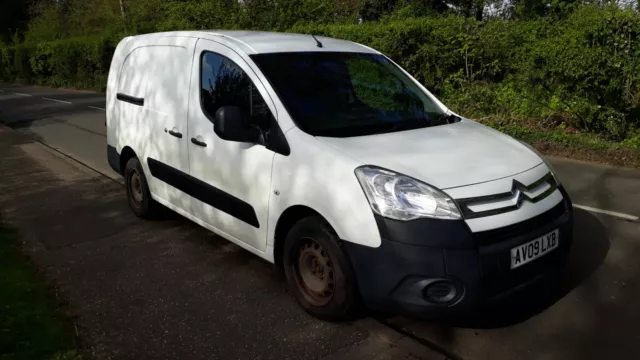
589, 313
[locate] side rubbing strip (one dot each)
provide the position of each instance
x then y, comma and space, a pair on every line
130, 99
204, 192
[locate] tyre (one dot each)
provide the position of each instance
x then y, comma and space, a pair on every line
318, 273
138, 195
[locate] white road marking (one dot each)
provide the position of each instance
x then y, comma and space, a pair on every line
95, 107
21, 94
607, 212
56, 100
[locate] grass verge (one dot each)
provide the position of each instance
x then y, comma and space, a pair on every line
570, 143
33, 324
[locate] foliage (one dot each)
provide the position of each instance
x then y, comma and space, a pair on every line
576, 64
374, 9
20, 62
77, 62
13, 18
55, 20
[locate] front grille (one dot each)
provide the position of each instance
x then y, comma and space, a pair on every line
519, 193
521, 228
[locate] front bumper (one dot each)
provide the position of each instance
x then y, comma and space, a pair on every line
394, 276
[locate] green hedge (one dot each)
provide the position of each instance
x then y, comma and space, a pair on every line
81, 63
582, 72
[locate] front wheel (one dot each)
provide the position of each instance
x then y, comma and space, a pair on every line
318, 273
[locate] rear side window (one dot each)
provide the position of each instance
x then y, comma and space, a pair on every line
224, 83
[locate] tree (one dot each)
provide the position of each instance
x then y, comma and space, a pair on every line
13, 18
373, 10
470, 8
532, 9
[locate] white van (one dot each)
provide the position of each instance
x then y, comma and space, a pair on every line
326, 158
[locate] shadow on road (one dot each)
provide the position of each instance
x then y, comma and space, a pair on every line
589, 249
554, 319
27, 122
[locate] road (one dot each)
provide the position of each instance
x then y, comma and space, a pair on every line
590, 313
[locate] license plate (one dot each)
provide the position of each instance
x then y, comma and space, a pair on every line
534, 249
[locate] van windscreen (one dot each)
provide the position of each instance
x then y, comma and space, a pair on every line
348, 94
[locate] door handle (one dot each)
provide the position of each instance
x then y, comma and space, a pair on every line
198, 142
174, 133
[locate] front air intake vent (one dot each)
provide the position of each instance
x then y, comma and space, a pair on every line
524, 227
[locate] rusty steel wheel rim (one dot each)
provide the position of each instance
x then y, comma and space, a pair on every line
135, 185
314, 272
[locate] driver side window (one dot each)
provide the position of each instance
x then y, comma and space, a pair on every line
224, 83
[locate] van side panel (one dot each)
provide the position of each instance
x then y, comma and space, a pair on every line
311, 177
167, 65
129, 112
112, 118
147, 101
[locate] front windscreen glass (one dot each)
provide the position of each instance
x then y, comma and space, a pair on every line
348, 94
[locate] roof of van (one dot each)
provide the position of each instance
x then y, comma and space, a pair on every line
258, 42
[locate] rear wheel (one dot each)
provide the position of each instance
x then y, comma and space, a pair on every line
318, 273
138, 195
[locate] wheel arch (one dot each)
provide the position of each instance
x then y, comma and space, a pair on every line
125, 155
286, 221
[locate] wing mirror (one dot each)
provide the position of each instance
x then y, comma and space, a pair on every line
229, 125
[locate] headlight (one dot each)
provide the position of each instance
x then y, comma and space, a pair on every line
402, 198
546, 162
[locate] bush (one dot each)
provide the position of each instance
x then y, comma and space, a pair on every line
6, 63
591, 65
81, 63
21, 65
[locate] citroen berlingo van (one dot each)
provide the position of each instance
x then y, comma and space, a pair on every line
325, 157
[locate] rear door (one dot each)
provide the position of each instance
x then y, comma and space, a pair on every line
231, 180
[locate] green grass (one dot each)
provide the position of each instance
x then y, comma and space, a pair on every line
33, 325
